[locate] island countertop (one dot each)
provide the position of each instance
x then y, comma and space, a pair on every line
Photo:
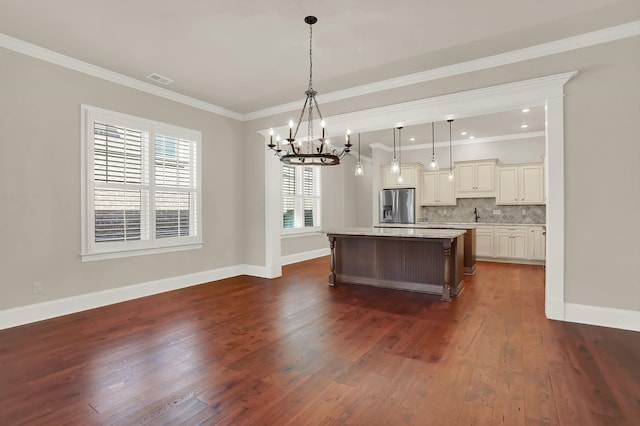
397, 232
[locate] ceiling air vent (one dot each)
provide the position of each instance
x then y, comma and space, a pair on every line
159, 78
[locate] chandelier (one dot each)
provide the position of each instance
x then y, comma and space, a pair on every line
308, 151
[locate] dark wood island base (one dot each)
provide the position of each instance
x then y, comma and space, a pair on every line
427, 261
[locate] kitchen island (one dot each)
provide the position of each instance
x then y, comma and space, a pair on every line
422, 260
469, 239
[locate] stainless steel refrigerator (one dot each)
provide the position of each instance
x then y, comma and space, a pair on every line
398, 205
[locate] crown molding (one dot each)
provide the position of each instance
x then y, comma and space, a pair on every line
114, 77
559, 46
619, 32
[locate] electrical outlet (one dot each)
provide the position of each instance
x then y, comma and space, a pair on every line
36, 287
496, 212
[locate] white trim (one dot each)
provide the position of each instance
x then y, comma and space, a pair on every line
302, 232
93, 70
142, 252
630, 29
307, 255
273, 215
602, 316
55, 308
593, 38
554, 173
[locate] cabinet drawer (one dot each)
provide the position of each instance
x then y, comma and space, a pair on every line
484, 229
511, 229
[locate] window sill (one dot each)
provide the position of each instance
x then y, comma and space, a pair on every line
301, 233
90, 257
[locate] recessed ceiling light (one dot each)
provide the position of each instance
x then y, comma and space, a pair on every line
525, 110
472, 137
524, 126
463, 133
412, 139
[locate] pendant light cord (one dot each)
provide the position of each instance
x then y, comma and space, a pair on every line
394, 143
450, 156
400, 150
433, 141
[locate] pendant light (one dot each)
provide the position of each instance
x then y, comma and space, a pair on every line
394, 163
433, 165
359, 168
451, 176
399, 180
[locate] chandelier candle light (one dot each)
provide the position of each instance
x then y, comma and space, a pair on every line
318, 152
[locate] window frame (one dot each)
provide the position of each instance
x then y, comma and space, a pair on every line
299, 197
92, 250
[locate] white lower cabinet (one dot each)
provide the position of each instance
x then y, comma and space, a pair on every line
537, 243
484, 241
511, 242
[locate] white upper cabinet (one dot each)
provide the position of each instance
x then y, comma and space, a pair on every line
520, 184
410, 176
437, 189
475, 179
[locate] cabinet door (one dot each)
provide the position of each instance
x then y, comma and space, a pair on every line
465, 177
485, 177
519, 246
429, 188
532, 184
408, 177
389, 178
446, 189
484, 244
503, 245
507, 185
536, 250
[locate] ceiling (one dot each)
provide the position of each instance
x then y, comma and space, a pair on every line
506, 125
252, 54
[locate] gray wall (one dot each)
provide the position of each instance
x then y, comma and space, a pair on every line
40, 122
40, 184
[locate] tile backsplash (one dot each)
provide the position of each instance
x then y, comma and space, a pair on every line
487, 212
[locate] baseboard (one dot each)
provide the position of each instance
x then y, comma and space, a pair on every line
307, 255
603, 317
69, 305
554, 309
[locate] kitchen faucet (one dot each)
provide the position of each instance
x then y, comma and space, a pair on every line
475, 212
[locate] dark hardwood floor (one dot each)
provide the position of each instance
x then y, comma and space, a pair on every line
295, 351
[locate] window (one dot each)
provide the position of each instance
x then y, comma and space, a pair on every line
141, 186
300, 198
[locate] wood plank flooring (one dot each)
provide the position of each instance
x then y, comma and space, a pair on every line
296, 351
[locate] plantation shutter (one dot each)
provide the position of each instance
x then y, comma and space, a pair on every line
288, 196
120, 183
175, 187
300, 197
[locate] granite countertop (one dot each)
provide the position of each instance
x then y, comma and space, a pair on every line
453, 224
398, 232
